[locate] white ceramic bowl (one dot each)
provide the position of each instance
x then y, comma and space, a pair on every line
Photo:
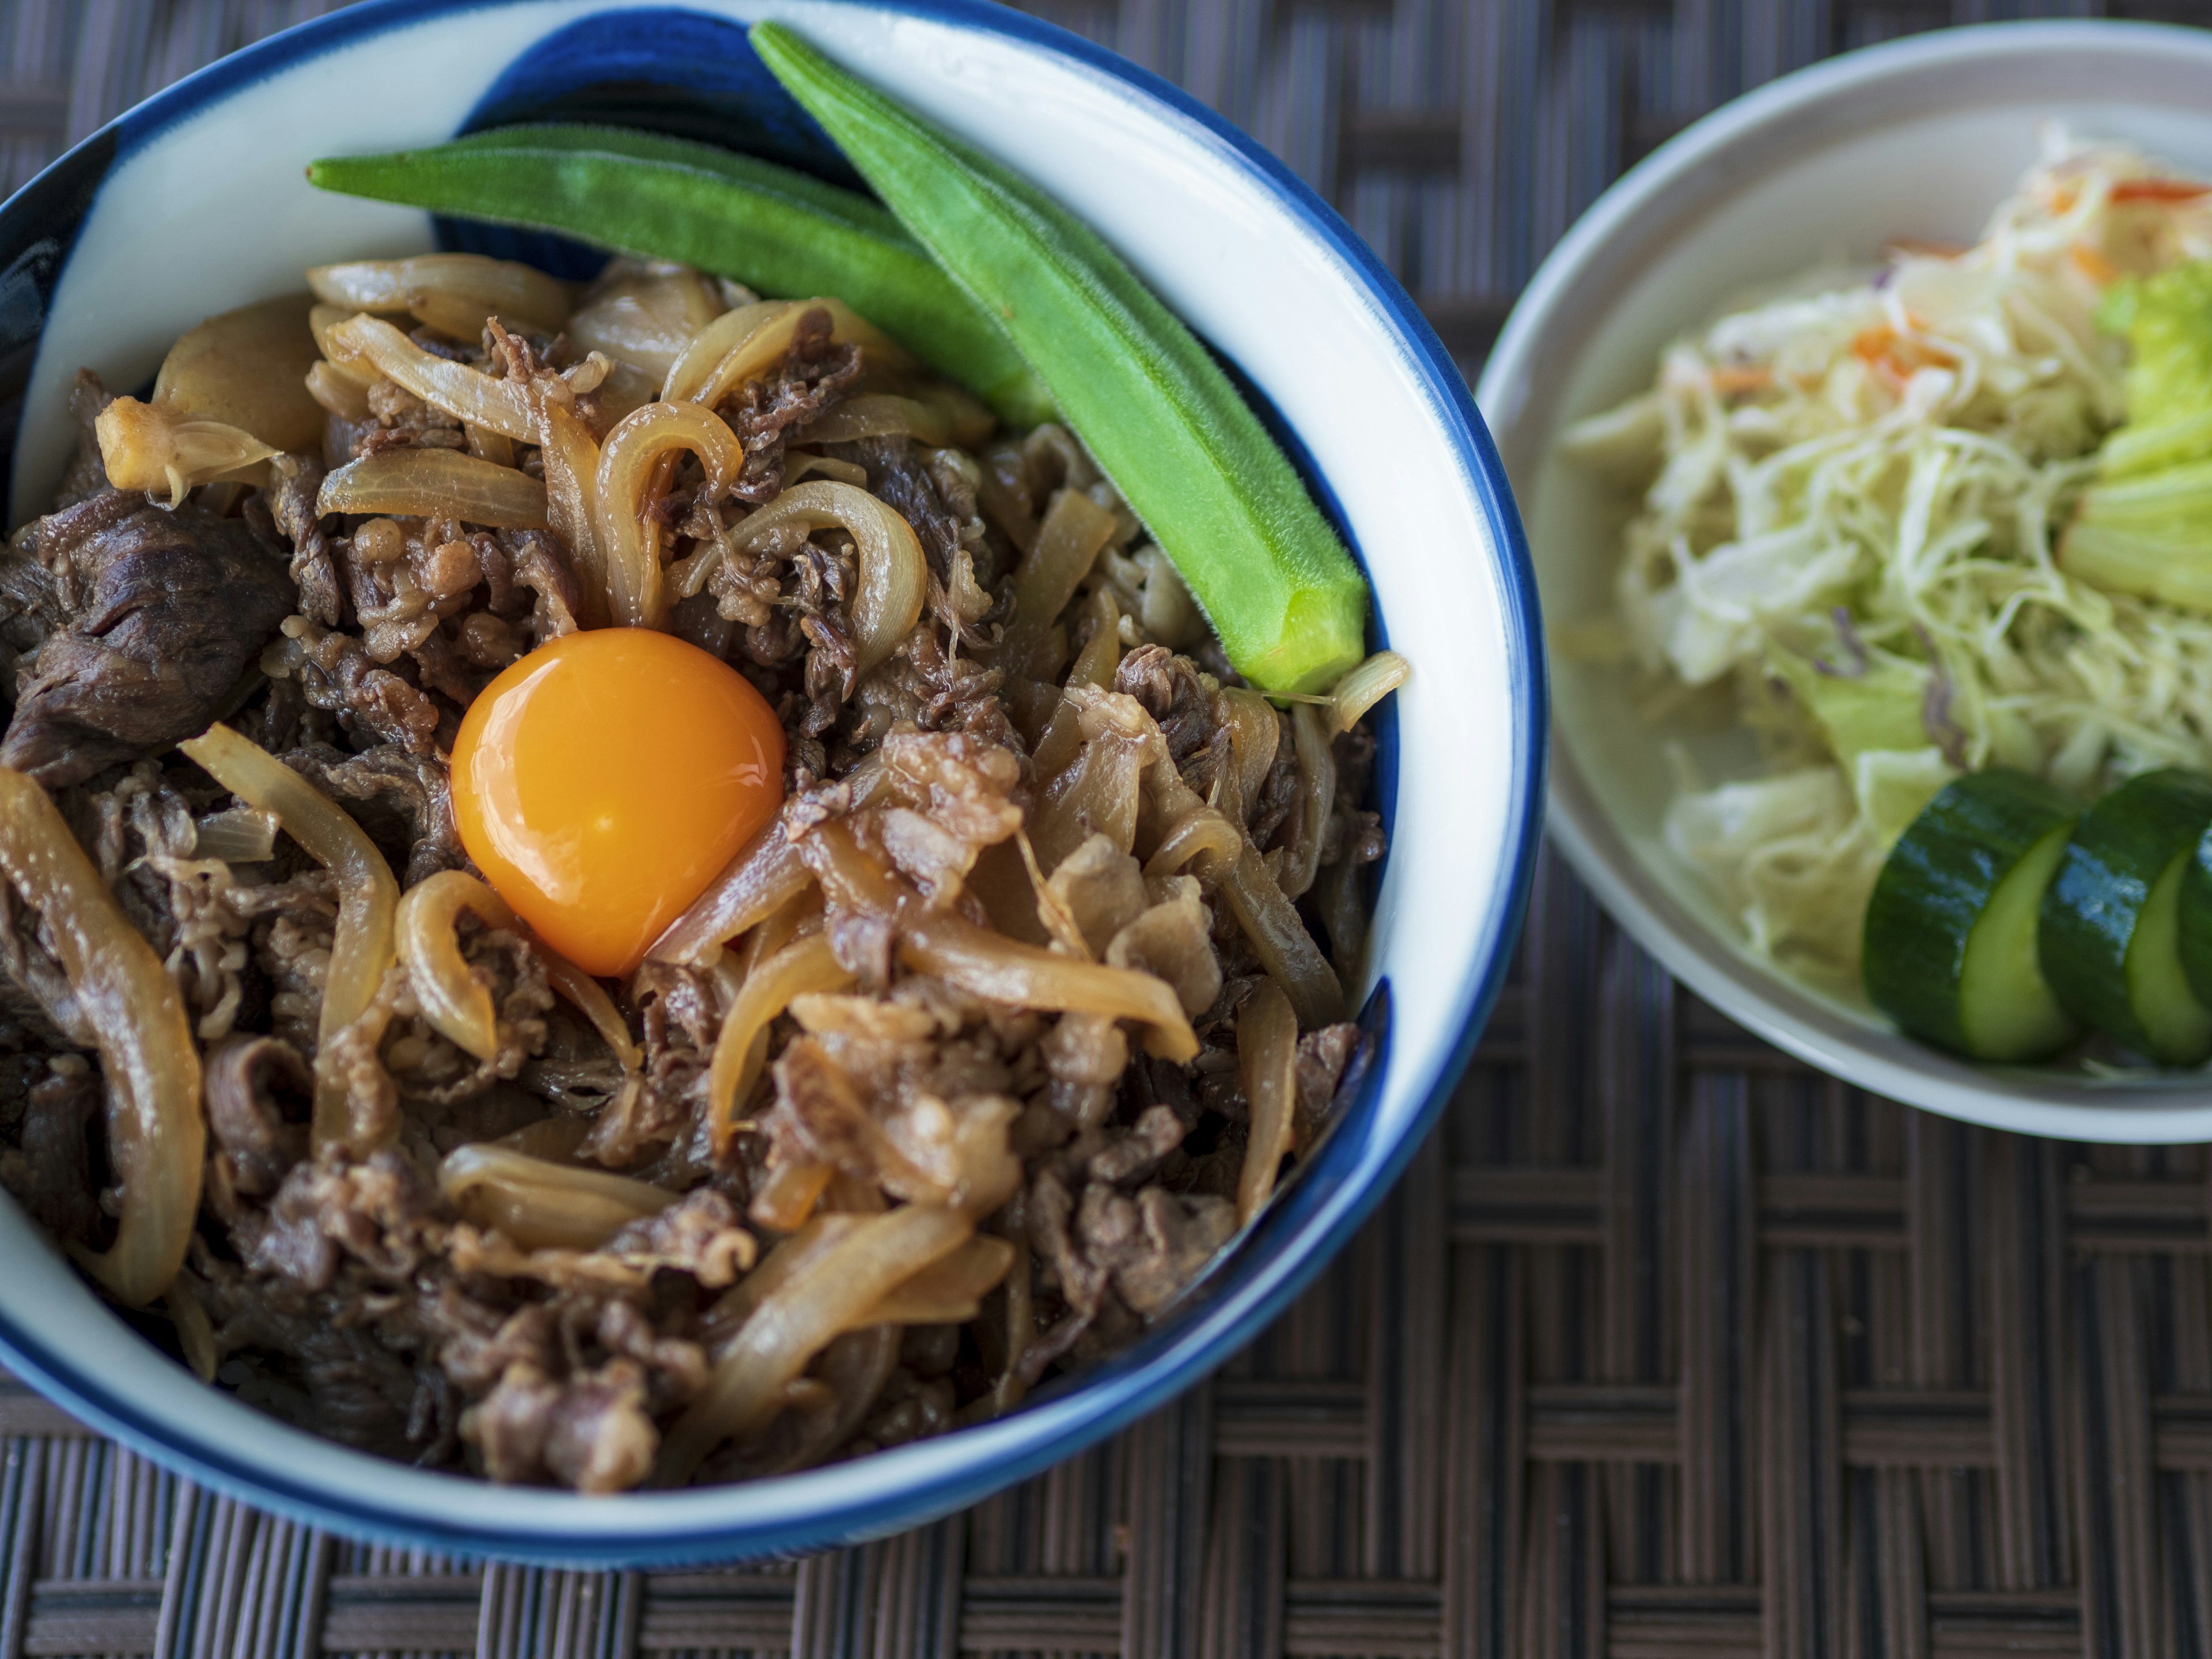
1916, 139
194, 203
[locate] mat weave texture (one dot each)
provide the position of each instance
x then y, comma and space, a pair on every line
1667, 1348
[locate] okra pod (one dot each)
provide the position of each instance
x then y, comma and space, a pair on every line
767, 227
1156, 411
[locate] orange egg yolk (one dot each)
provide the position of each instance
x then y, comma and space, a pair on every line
602, 782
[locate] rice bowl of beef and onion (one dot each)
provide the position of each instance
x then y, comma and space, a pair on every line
678, 896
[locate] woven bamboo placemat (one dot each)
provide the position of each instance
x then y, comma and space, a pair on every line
1667, 1348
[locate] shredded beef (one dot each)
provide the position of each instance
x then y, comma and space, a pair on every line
336, 673
813, 376
51, 1172
291, 508
164, 612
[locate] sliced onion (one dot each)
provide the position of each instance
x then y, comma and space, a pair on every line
893, 574
878, 414
541, 1205
590, 998
805, 966
338, 394
570, 458
1271, 922
644, 316
766, 874
747, 343
237, 834
1204, 833
1309, 735
1267, 1066
1365, 686
455, 285
998, 969
321, 319
946, 1292
637, 596
1279, 939
799, 465
156, 1133
423, 483
455, 1001
736, 346
362, 947
1075, 530
154, 448
830, 1295
467, 394
789, 1194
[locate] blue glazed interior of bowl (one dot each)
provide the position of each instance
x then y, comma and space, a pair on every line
685, 72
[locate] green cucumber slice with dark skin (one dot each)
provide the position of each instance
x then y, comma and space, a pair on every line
2111, 924
2194, 922
1950, 944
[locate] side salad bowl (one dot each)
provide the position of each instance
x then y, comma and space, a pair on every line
196, 202
1913, 142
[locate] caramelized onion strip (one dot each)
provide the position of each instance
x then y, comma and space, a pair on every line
1267, 1066
1363, 686
828, 1296
466, 393
1254, 735
947, 1291
362, 947
156, 1135
878, 414
157, 448
590, 998
1279, 939
765, 876
456, 1002
736, 346
893, 574
540, 1205
789, 1194
1076, 530
1309, 736
637, 596
423, 483
1203, 834
570, 456
805, 965
988, 965
1272, 924
452, 287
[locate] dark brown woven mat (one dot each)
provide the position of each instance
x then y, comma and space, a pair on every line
1668, 1348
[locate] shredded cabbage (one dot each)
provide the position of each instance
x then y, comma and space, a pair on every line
1851, 501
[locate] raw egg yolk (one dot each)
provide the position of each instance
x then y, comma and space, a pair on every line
602, 782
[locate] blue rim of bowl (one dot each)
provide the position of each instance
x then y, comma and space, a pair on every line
1168, 1361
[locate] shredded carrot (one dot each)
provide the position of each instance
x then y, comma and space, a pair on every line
2062, 200
2158, 189
1751, 377
2092, 265
1894, 357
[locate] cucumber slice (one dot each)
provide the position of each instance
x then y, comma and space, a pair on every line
2110, 923
2194, 921
1950, 948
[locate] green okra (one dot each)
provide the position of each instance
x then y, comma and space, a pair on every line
1139, 389
772, 229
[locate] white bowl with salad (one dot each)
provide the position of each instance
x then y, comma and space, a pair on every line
1863, 435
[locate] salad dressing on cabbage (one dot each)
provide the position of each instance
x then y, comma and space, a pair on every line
1955, 513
